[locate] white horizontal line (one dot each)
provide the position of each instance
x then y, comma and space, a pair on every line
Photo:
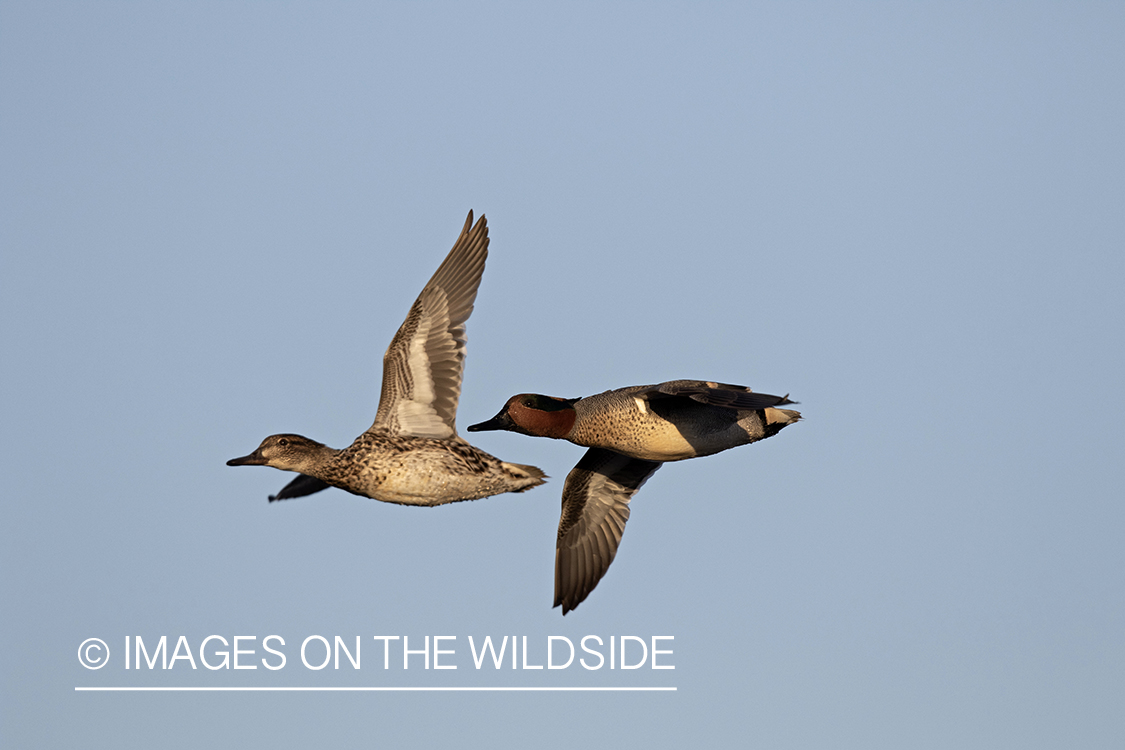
368, 689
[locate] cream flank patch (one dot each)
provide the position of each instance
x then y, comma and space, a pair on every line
642, 405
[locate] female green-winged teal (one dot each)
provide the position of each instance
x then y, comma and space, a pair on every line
412, 453
630, 432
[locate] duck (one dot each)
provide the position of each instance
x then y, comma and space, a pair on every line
630, 433
412, 454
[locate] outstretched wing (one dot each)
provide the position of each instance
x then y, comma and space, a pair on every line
299, 487
595, 507
423, 365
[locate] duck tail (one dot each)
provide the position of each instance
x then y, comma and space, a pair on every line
533, 476
777, 419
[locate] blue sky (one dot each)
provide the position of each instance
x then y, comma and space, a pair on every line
907, 216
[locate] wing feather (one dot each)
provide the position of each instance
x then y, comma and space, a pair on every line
299, 487
423, 365
595, 507
713, 394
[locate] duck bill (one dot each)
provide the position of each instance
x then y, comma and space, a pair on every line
254, 459
500, 422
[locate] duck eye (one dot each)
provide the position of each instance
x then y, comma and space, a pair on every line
545, 403
283, 442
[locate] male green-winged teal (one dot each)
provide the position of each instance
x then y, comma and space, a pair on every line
630, 432
412, 453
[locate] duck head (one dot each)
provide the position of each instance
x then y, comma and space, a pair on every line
288, 452
533, 414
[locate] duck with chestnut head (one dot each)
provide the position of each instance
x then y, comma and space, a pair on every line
630, 433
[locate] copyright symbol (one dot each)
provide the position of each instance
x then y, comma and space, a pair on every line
93, 653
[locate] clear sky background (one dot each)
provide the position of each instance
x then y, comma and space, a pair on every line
909, 216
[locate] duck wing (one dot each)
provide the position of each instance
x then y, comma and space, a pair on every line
595, 507
423, 365
713, 394
299, 487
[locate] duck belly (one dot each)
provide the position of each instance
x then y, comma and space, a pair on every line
643, 434
422, 483
675, 430
420, 471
